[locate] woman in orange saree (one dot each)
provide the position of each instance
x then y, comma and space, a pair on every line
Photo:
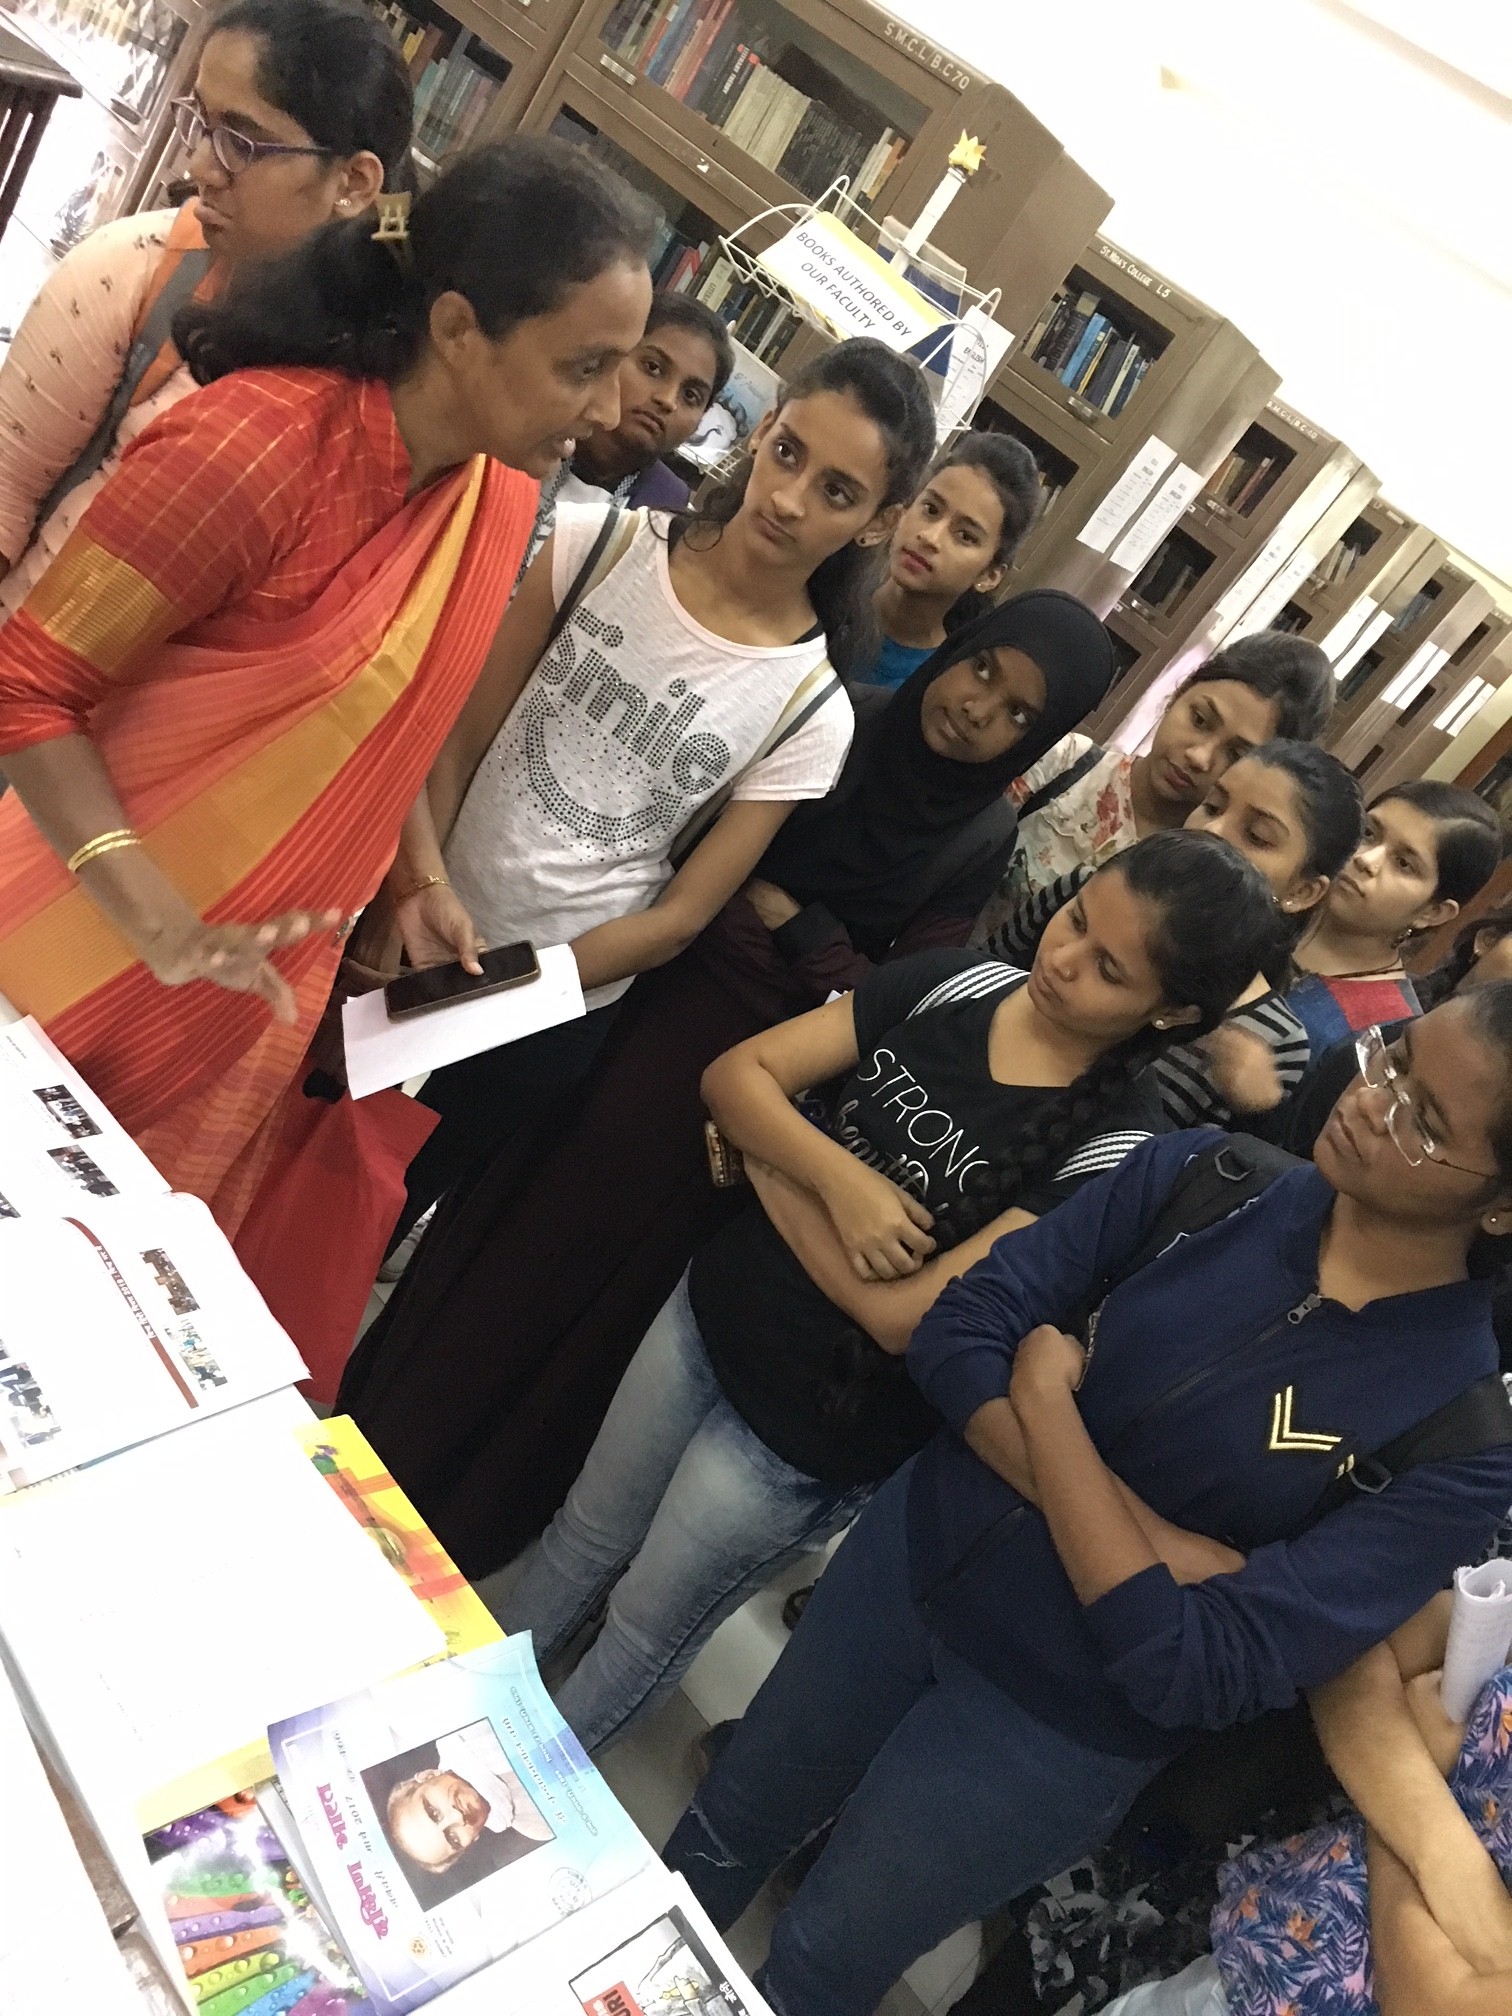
223, 698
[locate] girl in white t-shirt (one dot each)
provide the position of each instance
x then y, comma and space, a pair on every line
701, 666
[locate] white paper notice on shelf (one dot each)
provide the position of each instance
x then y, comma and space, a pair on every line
1480, 1635
59, 1146
1176, 491
1127, 495
1347, 629
380, 1053
120, 1322
1274, 596
163, 1608
56, 1951
977, 346
1232, 606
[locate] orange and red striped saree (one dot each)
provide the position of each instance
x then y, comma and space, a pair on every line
268, 643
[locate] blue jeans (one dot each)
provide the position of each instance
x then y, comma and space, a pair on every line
955, 1799
681, 1512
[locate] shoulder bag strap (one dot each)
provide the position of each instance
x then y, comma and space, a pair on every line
156, 329
1473, 1422
1061, 783
614, 539
803, 703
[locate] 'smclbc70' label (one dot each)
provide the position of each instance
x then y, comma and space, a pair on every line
926, 55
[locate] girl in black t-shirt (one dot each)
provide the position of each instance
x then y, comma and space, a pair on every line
759, 1414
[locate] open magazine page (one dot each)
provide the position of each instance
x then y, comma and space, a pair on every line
59, 1147
449, 1816
647, 1949
122, 1321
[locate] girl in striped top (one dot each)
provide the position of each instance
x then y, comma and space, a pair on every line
1296, 814
768, 1400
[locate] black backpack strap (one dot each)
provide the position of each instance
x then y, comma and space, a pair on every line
1218, 1181
1061, 783
156, 330
984, 838
1473, 1422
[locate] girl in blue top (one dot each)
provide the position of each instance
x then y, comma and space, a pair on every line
1109, 1551
951, 550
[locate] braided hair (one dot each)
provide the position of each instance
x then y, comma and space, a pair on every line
1188, 881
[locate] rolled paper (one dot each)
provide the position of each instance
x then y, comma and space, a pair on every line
1480, 1635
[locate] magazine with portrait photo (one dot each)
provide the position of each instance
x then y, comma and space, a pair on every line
449, 1816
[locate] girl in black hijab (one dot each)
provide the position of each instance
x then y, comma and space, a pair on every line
488, 1376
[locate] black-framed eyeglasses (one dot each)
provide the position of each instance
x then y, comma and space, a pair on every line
1414, 1139
236, 152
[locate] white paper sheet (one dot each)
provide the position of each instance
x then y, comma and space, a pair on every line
381, 1053
126, 1319
1127, 494
1274, 597
56, 1951
561, 1973
1480, 1634
59, 1147
166, 1606
1176, 491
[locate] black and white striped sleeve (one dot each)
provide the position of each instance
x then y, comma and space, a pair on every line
1017, 938
1187, 1090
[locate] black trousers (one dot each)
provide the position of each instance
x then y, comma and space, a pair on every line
485, 1099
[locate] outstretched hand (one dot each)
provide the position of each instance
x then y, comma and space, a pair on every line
235, 956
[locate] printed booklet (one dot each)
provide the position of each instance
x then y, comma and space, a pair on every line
448, 1817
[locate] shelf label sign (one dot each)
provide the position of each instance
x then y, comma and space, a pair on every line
1127, 495
829, 271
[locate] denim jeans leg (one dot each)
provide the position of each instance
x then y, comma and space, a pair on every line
856, 1664
968, 1802
732, 1514
668, 1389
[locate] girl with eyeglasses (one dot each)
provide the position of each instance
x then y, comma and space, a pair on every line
301, 111
1115, 1545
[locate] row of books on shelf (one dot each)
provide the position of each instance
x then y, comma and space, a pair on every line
1240, 481
760, 321
1163, 584
452, 93
1079, 343
675, 259
1337, 564
701, 54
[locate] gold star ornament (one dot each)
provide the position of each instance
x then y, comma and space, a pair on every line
967, 154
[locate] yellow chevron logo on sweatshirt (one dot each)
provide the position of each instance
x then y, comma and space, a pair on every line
1284, 1439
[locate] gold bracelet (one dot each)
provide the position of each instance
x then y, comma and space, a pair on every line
430, 882
103, 843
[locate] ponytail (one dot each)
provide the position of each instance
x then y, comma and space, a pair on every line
512, 228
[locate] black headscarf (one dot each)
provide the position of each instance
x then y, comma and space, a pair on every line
861, 851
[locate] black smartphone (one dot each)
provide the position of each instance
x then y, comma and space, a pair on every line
438, 986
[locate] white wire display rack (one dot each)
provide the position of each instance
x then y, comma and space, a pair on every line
966, 377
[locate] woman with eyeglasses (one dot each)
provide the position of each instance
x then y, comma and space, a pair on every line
222, 701
1115, 1545
301, 111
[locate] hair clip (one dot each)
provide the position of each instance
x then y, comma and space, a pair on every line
393, 218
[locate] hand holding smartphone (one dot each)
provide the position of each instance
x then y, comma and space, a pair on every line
438, 986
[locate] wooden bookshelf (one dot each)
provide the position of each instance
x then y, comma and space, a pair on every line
1275, 501
825, 88
475, 66
1439, 637
1429, 725
1354, 577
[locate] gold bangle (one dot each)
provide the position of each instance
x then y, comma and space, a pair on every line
103, 843
430, 882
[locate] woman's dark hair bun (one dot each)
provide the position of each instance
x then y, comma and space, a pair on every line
512, 227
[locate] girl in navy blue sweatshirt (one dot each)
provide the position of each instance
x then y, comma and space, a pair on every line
1111, 1549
